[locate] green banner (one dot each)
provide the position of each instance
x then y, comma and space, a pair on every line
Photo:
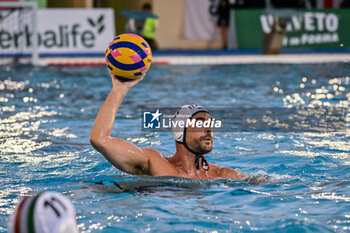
306, 28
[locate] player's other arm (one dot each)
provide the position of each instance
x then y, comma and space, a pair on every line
225, 172
122, 154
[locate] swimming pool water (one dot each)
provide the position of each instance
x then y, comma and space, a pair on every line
47, 113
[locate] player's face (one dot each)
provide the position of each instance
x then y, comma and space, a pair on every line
200, 139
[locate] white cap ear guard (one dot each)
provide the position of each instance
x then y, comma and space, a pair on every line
48, 212
184, 113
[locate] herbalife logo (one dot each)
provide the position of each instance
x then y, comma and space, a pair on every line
82, 34
98, 23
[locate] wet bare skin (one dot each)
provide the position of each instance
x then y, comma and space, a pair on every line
128, 157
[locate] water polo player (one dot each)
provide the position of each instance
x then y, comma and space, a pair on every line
191, 143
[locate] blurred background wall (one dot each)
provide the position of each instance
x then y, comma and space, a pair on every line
171, 13
170, 33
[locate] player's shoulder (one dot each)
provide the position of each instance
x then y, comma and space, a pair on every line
151, 151
225, 172
156, 159
153, 154
214, 167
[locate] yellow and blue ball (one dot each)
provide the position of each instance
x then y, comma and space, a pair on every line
128, 57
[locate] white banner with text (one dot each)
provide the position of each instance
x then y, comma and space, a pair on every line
60, 31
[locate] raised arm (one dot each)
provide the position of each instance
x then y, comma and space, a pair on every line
122, 154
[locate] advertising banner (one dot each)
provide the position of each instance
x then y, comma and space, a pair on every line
60, 31
306, 28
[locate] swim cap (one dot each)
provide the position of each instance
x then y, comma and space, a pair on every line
48, 212
184, 113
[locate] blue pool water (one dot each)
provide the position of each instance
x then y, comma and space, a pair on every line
47, 113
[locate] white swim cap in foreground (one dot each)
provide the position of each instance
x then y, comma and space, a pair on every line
48, 212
